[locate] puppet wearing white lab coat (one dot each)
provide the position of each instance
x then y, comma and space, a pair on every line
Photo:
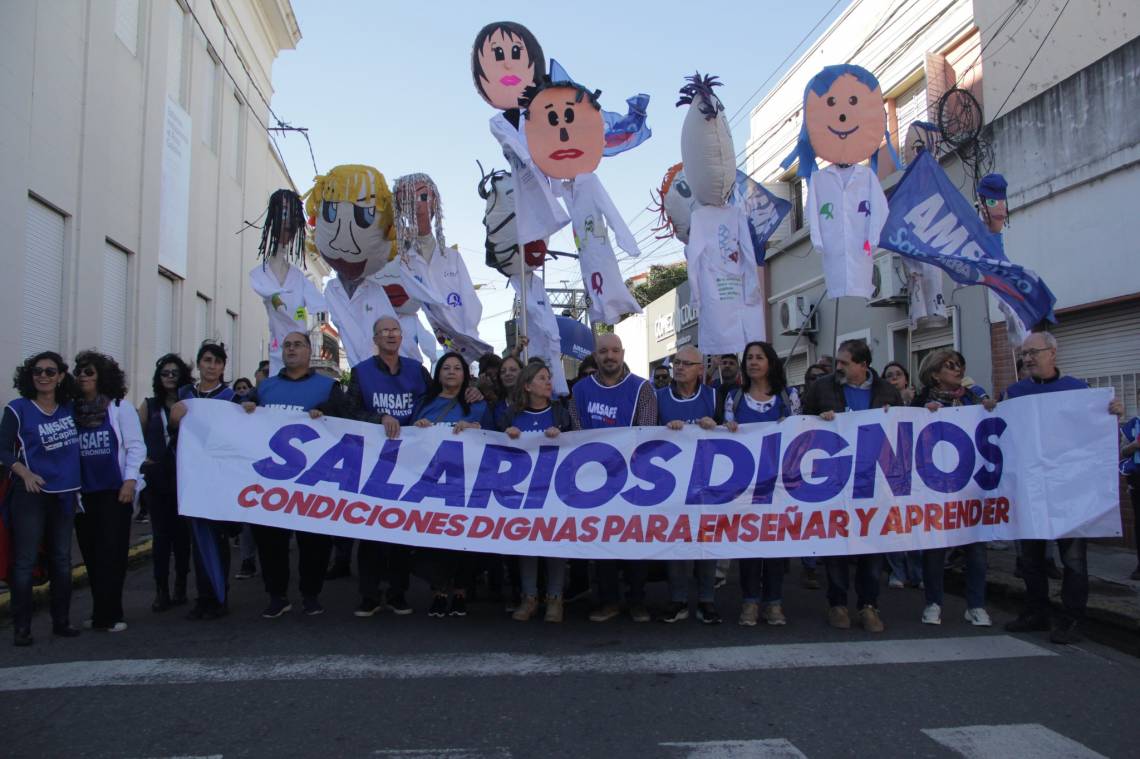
846, 212
542, 330
288, 302
355, 315
455, 314
591, 209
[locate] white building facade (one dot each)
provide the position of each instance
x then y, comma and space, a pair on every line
134, 148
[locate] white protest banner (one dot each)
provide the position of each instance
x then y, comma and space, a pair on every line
872, 481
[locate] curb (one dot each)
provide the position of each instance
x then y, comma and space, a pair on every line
136, 554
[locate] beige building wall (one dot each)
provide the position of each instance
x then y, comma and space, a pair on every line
83, 141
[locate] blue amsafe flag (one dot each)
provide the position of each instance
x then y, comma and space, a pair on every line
576, 338
764, 210
931, 222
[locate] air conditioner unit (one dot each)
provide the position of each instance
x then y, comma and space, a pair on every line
888, 281
794, 311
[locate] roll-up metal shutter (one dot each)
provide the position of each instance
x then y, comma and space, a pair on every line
116, 271
1102, 347
164, 317
795, 367
43, 280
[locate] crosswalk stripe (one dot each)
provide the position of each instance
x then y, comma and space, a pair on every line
1002, 741
497, 752
770, 748
134, 672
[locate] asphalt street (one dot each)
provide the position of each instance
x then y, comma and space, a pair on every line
486, 686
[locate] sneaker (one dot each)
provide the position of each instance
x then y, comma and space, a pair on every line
23, 638
553, 609
639, 613
337, 571
839, 618
1028, 622
88, 624
142, 518
774, 615
64, 631
526, 609
217, 611
248, 570
749, 614
932, 615
367, 608
1065, 632
978, 617
398, 604
605, 613
895, 583
676, 612
312, 606
277, 607
458, 606
809, 578
707, 613
118, 627
438, 607
869, 618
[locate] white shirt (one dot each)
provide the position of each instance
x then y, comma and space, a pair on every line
355, 316
297, 297
538, 214
542, 330
455, 310
846, 211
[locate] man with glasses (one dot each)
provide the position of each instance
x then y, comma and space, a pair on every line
661, 377
688, 401
1039, 354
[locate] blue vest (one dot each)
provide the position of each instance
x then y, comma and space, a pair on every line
154, 431
670, 408
745, 414
99, 457
534, 421
603, 407
434, 411
1029, 386
296, 395
49, 445
393, 394
222, 392
858, 398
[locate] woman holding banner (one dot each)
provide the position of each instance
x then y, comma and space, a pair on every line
446, 404
533, 411
941, 375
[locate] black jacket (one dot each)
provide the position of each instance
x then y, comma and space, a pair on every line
826, 394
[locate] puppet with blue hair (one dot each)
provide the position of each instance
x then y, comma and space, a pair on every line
844, 123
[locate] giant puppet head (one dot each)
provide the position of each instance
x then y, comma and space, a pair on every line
675, 205
565, 131
352, 211
284, 229
992, 201
505, 59
706, 142
497, 190
844, 119
419, 210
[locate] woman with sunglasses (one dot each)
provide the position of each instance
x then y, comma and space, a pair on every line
111, 450
942, 374
39, 446
171, 532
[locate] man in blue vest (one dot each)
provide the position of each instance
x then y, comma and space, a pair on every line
688, 401
613, 397
295, 388
1039, 354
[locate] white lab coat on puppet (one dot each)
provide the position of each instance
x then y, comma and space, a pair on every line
590, 209
456, 312
723, 280
846, 212
287, 303
542, 330
538, 214
354, 317
407, 294
924, 288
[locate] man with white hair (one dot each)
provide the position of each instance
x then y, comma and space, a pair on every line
1039, 354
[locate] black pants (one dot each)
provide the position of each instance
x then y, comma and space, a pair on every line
219, 534
452, 570
377, 561
171, 533
609, 585
1074, 580
273, 552
342, 551
103, 530
1134, 492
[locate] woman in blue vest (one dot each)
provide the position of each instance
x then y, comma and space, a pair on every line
763, 396
509, 372
445, 404
40, 448
533, 412
171, 532
210, 536
111, 450
941, 375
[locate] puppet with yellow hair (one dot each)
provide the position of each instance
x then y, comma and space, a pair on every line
351, 210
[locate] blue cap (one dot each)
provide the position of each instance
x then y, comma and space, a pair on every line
992, 186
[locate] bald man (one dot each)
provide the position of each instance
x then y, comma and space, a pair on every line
611, 398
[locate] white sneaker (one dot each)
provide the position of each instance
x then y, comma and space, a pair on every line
932, 615
118, 627
978, 617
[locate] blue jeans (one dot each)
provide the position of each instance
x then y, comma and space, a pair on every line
867, 570
768, 573
36, 517
1074, 582
679, 573
555, 574
906, 566
933, 569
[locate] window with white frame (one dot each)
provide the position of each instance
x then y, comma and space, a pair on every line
116, 303
176, 53
202, 329
235, 124
207, 84
42, 328
164, 321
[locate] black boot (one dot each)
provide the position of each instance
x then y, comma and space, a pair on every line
179, 597
161, 599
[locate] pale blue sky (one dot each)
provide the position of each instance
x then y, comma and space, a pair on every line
389, 85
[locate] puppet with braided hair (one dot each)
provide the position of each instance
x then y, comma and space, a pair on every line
289, 295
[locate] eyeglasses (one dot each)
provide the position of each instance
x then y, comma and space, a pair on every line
677, 362
169, 373
84, 371
1031, 352
388, 331
44, 371
951, 364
